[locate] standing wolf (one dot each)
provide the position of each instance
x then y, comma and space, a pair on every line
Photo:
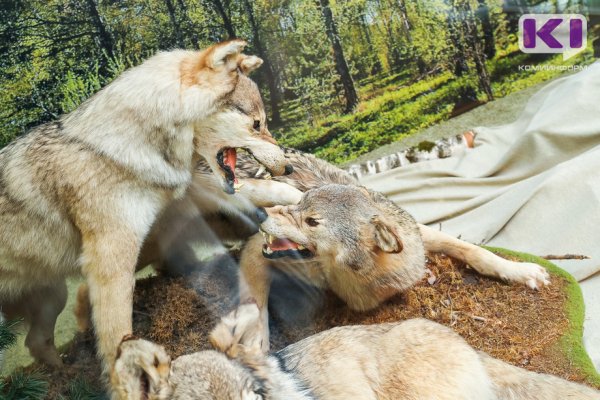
408, 360
80, 194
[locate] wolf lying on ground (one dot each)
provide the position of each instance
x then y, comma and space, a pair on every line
81, 193
413, 359
335, 234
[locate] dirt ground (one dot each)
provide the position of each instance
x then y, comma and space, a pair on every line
508, 321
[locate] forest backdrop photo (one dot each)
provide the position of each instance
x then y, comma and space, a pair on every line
340, 78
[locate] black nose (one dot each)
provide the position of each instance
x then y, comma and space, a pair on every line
288, 169
261, 215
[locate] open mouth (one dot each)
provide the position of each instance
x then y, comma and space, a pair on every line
275, 247
227, 160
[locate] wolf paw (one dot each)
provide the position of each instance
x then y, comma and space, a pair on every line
530, 274
238, 328
139, 359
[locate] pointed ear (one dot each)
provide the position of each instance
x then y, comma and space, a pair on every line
385, 236
248, 64
225, 54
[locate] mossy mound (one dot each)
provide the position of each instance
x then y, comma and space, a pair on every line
538, 330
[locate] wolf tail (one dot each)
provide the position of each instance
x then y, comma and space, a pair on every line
512, 383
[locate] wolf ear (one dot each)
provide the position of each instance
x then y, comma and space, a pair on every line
225, 54
248, 64
386, 237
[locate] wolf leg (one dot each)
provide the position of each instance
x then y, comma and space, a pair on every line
484, 261
83, 308
109, 267
269, 193
41, 311
255, 282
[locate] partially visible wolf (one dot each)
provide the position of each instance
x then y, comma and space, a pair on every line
413, 359
81, 194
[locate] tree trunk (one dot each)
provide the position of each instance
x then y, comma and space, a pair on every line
471, 37
393, 57
460, 67
489, 44
175, 23
274, 97
377, 67
104, 37
404, 16
467, 93
406, 27
218, 4
341, 64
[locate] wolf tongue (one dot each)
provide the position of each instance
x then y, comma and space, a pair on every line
230, 159
283, 244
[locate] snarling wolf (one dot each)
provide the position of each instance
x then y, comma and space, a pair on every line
81, 194
332, 233
413, 359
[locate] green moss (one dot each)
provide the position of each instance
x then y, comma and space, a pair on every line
571, 343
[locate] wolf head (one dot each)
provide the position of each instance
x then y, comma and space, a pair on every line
240, 123
350, 229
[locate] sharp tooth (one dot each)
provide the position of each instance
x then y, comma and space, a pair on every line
261, 170
237, 186
264, 235
271, 238
300, 247
268, 250
268, 175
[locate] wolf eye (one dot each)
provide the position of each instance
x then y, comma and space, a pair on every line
312, 222
256, 125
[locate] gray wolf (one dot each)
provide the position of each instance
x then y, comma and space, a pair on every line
413, 359
334, 234
81, 194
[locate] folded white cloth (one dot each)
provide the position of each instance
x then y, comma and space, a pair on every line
532, 185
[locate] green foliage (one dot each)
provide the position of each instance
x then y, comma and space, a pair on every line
508, 79
401, 108
75, 89
82, 390
24, 386
7, 334
19, 385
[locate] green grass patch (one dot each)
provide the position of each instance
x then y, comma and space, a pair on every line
571, 343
